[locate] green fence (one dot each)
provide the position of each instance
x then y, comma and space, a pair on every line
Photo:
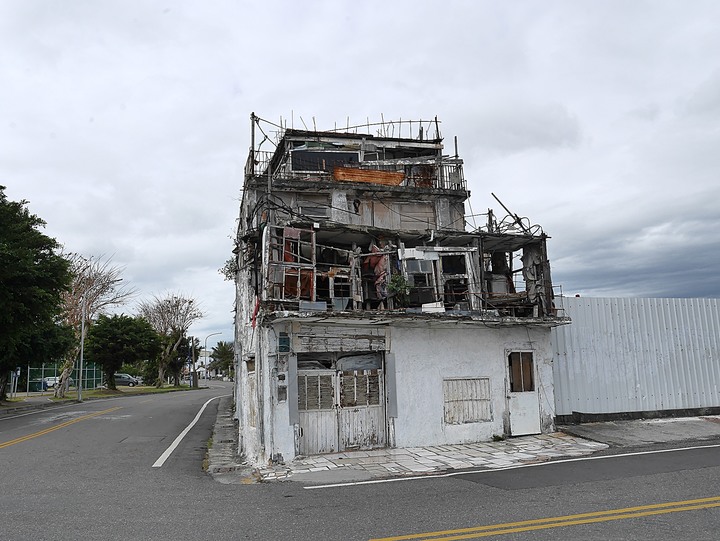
33, 379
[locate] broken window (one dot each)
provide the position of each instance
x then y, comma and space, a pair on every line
521, 368
455, 280
284, 342
467, 400
359, 388
320, 160
421, 281
315, 392
291, 264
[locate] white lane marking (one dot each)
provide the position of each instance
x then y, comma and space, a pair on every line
163, 457
53, 408
517, 467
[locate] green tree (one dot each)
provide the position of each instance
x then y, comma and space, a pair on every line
222, 357
33, 276
120, 339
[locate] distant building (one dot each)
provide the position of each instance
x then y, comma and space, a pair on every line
367, 316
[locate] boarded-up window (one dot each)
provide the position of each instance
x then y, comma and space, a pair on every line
467, 400
314, 206
521, 371
416, 216
359, 388
315, 392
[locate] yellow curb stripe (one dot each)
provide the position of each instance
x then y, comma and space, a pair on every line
556, 522
54, 428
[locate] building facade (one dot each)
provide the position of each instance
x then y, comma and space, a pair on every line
367, 314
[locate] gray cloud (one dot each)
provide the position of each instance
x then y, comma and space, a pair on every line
126, 123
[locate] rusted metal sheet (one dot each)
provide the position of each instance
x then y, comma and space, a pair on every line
371, 176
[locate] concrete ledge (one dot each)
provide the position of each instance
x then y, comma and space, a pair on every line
578, 417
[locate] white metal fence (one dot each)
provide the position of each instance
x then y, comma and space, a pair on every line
631, 355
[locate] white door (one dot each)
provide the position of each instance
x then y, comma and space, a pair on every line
317, 411
523, 400
362, 411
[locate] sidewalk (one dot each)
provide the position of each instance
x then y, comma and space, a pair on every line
642, 432
414, 461
30, 402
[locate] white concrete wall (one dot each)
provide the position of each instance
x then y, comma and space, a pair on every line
424, 357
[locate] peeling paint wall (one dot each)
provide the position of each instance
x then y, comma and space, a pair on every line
424, 357
418, 360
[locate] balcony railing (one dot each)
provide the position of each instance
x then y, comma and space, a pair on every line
447, 176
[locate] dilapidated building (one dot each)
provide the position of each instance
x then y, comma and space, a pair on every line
368, 314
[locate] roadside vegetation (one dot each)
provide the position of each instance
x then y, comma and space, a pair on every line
60, 307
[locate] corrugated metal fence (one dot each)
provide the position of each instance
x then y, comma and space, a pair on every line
629, 355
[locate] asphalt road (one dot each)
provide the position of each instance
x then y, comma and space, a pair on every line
86, 472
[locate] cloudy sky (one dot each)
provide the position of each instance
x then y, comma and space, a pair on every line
125, 123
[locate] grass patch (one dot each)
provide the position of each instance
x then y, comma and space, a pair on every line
206, 460
124, 391
88, 394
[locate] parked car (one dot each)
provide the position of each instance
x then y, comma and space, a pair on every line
126, 379
52, 381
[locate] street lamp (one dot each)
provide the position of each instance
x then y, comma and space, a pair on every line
205, 349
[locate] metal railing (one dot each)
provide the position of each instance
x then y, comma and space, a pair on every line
448, 176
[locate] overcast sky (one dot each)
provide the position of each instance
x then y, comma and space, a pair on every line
125, 123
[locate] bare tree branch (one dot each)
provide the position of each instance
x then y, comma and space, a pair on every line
171, 317
96, 280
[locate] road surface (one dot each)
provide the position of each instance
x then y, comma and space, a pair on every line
94, 471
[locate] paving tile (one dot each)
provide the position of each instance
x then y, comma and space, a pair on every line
414, 460
356, 454
393, 452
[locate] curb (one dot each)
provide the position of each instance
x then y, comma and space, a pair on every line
4, 411
223, 462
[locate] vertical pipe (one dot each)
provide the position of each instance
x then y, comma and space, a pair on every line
82, 347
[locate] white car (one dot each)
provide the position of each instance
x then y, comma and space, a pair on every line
52, 381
